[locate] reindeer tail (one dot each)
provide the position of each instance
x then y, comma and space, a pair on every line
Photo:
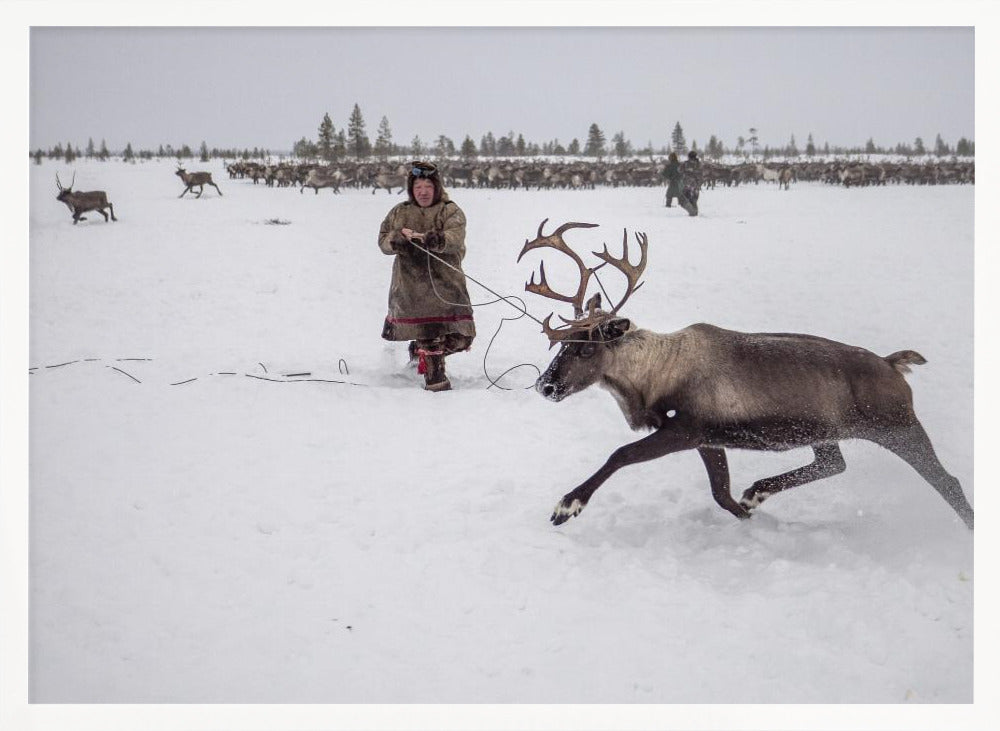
903, 359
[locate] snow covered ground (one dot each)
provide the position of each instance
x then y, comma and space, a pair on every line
206, 527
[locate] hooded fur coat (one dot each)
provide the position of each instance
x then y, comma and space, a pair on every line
427, 299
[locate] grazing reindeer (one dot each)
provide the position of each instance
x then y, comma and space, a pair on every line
322, 178
389, 181
93, 200
781, 176
193, 179
711, 389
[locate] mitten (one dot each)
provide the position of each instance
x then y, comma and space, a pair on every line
434, 241
397, 241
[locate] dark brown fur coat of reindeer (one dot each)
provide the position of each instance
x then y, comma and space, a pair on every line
711, 389
80, 202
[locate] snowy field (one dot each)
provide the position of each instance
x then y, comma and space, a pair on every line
208, 527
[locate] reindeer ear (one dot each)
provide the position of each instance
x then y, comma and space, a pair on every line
615, 328
594, 303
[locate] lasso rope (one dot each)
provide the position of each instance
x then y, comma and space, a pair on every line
288, 378
522, 309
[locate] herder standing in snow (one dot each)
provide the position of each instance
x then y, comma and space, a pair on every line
672, 172
428, 301
691, 183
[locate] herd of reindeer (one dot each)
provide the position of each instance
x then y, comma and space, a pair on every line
582, 175
538, 175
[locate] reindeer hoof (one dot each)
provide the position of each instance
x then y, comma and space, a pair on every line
751, 499
565, 510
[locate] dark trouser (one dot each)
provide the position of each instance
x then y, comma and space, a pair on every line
673, 191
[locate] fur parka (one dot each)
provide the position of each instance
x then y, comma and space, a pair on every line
427, 299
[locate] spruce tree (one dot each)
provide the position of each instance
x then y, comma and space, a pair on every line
468, 148
712, 150
595, 142
677, 139
488, 145
325, 138
358, 143
383, 142
940, 148
520, 147
622, 147
444, 146
505, 146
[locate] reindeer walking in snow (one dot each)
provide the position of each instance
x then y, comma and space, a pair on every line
193, 179
81, 202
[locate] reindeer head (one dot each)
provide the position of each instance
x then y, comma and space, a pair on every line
180, 172
64, 193
587, 338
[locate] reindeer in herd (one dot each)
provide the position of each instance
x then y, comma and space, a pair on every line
81, 202
710, 389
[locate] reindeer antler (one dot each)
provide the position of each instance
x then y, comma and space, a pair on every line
632, 273
555, 241
595, 316
59, 184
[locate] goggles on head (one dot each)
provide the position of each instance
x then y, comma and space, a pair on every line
423, 170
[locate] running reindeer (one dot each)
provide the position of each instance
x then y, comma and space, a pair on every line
711, 389
77, 202
193, 179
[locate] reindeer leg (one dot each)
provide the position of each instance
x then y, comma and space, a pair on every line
185, 191
112, 209
661, 442
718, 477
829, 461
216, 188
101, 211
201, 189
912, 445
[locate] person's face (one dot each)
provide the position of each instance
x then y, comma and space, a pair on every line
423, 192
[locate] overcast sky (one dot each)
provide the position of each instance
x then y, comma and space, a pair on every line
268, 87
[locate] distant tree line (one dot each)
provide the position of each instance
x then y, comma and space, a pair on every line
352, 142
69, 153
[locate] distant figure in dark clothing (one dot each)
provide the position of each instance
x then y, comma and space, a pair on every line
690, 184
672, 172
